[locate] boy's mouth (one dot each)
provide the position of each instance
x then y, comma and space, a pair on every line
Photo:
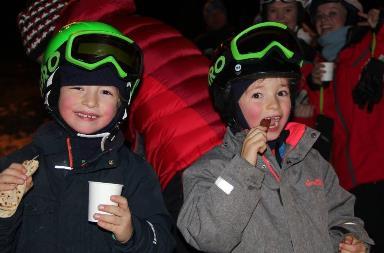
273, 121
86, 115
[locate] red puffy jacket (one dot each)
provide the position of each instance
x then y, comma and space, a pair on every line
357, 135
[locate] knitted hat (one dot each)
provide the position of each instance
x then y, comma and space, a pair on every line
36, 24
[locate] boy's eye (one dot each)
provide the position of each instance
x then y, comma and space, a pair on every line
76, 88
107, 92
256, 95
283, 93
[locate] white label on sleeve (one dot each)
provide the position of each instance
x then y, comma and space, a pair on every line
350, 223
224, 185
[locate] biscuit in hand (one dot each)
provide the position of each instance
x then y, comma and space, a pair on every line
10, 200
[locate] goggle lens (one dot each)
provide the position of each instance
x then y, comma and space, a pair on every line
93, 50
248, 45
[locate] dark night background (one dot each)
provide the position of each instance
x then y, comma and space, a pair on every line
184, 15
21, 108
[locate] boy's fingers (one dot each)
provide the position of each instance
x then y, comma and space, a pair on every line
115, 210
7, 187
352, 247
29, 183
108, 218
120, 200
12, 179
262, 148
106, 225
19, 167
255, 131
17, 171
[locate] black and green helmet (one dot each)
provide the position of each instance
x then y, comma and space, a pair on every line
267, 49
89, 47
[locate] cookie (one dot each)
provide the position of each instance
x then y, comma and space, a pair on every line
10, 200
265, 122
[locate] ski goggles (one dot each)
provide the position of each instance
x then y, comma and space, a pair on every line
276, 37
90, 50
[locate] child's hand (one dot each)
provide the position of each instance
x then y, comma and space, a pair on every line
255, 142
351, 244
120, 222
317, 73
14, 175
371, 18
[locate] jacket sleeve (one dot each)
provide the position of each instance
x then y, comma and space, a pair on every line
219, 199
9, 226
341, 211
151, 221
8, 231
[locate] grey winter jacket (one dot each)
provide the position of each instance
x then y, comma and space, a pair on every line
232, 206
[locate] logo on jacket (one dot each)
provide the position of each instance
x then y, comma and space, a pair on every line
315, 182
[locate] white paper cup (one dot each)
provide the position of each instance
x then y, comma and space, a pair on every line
328, 68
100, 193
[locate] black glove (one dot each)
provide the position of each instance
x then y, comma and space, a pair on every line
369, 90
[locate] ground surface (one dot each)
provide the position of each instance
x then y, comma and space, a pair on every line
21, 109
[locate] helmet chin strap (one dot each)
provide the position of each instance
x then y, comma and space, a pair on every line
103, 137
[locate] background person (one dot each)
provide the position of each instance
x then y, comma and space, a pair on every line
217, 27
352, 101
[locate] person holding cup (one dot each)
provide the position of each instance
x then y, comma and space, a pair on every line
89, 74
348, 102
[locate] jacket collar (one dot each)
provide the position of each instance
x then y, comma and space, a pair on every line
299, 142
51, 139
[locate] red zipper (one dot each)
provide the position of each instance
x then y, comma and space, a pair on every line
70, 157
271, 169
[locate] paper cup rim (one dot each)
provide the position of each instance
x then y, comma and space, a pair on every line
104, 183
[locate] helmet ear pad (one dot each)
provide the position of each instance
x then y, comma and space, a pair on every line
54, 93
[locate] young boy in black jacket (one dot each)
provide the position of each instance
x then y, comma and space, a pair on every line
88, 76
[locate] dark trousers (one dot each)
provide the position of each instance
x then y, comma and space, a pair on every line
370, 208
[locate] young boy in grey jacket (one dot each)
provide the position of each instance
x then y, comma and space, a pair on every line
265, 189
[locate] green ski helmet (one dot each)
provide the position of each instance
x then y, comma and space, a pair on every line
267, 49
89, 47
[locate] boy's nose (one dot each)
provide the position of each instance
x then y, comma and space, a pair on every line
272, 103
90, 99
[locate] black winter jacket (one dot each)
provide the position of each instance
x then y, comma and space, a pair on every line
52, 216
